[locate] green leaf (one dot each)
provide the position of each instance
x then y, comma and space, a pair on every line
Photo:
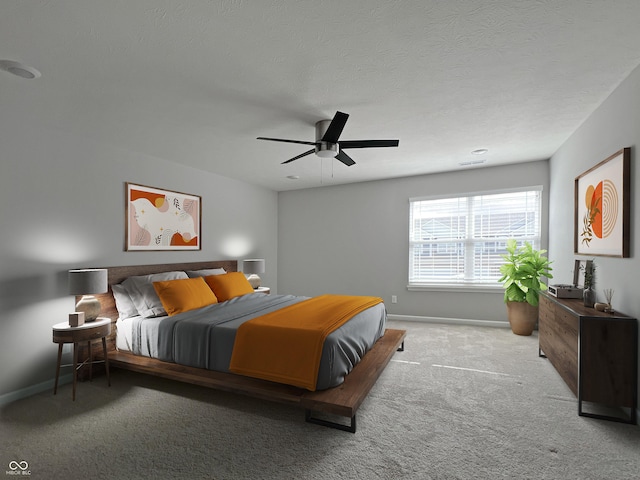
532, 297
522, 272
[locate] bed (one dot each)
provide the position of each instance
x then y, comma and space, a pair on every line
352, 358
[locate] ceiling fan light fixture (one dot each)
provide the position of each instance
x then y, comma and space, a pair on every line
327, 150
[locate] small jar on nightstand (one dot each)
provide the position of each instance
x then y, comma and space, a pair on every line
266, 290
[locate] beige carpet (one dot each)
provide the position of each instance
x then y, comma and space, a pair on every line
460, 403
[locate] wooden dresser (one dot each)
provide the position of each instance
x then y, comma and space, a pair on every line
595, 353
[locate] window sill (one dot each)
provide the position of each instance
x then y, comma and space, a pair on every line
455, 288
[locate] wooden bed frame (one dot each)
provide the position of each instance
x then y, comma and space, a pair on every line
342, 401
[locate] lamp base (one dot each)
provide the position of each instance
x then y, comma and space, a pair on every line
254, 280
91, 307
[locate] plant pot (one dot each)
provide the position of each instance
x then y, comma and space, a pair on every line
522, 317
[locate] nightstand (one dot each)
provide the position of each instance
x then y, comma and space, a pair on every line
63, 333
266, 290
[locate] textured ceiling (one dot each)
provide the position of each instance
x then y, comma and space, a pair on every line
195, 81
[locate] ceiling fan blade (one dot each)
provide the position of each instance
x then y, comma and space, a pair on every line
335, 128
368, 143
286, 141
309, 152
344, 158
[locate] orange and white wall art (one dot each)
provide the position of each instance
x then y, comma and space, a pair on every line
602, 208
162, 219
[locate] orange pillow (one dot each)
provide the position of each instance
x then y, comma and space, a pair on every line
185, 294
229, 285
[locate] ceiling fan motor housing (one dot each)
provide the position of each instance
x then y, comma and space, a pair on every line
328, 145
324, 149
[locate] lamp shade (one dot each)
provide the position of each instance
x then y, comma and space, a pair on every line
253, 265
88, 281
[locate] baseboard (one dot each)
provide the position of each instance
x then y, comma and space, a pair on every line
449, 321
34, 389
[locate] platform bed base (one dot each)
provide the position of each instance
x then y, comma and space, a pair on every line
342, 400
308, 417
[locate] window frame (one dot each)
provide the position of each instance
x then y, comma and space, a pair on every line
472, 286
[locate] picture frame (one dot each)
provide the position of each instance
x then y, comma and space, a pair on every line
158, 219
581, 267
602, 208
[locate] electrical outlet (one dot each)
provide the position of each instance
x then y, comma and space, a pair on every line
394, 299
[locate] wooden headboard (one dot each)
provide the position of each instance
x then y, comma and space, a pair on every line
118, 274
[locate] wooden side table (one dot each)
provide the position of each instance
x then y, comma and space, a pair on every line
64, 333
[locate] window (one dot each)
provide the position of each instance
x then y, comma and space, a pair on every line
458, 241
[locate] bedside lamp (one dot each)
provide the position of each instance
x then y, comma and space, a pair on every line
87, 282
252, 267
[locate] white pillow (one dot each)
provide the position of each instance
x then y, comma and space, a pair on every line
124, 304
206, 272
144, 296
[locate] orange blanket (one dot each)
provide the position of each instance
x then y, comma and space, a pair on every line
285, 346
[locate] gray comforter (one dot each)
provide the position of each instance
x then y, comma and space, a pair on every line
204, 337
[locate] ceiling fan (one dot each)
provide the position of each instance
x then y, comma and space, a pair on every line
327, 142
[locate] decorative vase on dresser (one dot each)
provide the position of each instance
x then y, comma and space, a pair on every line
589, 297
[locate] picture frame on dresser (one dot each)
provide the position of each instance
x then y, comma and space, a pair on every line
580, 269
602, 207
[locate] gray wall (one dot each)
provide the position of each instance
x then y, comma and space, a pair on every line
62, 206
614, 125
354, 239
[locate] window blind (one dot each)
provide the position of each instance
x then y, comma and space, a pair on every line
459, 240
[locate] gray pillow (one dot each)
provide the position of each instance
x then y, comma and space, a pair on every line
126, 307
144, 296
206, 272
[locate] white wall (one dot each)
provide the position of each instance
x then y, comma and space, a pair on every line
614, 125
354, 239
62, 204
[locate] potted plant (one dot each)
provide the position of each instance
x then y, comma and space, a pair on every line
521, 279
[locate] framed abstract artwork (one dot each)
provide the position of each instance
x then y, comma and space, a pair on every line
602, 208
159, 219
